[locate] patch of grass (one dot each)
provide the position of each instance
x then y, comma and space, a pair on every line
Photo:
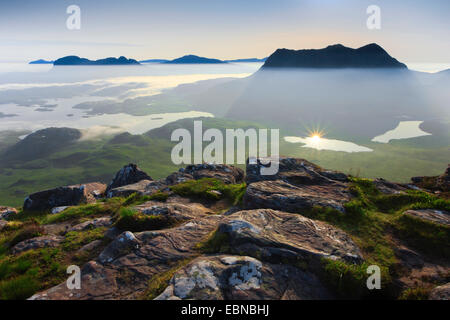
74, 240
217, 242
19, 288
159, 282
135, 221
88, 210
210, 189
29, 231
349, 280
418, 293
136, 198
34, 270
428, 236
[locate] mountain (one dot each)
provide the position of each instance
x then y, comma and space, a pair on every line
154, 61
334, 56
194, 59
41, 61
248, 60
77, 61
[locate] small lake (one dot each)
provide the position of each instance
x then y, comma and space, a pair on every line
328, 144
404, 130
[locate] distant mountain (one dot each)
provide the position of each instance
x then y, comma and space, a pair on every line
248, 60
334, 56
77, 61
194, 59
154, 61
41, 61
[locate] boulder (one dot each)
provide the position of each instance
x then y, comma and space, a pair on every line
387, 187
436, 216
440, 292
276, 236
127, 273
123, 244
143, 187
174, 210
226, 173
59, 209
7, 212
48, 241
3, 224
129, 174
228, 277
64, 196
298, 185
92, 224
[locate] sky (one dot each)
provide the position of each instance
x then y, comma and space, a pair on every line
411, 30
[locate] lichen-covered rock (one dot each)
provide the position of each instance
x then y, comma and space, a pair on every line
92, 224
226, 173
126, 276
129, 174
56, 210
122, 245
298, 185
387, 187
178, 211
280, 236
436, 216
64, 196
241, 277
440, 292
48, 241
127, 190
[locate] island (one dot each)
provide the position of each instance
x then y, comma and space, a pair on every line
40, 61
77, 61
192, 59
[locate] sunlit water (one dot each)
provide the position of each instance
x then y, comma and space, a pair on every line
30, 89
404, 130
328, 144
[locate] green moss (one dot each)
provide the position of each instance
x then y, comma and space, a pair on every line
205, 189
217, 242
159, 282
135, 221
418, 293
34, 270
27, 232
136, 198
74, 240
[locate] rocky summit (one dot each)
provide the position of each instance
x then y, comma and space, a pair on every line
216, 232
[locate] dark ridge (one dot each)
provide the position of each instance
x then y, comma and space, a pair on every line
334, 56
194, 59
77, 61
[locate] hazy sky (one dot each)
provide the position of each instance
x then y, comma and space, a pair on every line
411, 30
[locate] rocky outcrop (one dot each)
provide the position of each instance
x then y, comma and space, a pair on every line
92, 224
7, 212
436, 216
440, 292
49, 241
226, 173
129, 174
173, 210
438, 183
227, 277
64, 196
298, 185
280, 236
123, 272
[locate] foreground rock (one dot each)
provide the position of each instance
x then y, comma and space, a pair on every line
226, 173
440, 293
276, 236
436, 216
49, 241
297, 185
123, 273
129, 174
64, 196
438, 183
227, 277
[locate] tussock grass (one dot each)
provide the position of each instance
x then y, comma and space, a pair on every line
135, 221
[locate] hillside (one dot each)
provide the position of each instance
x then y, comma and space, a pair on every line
139, 238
